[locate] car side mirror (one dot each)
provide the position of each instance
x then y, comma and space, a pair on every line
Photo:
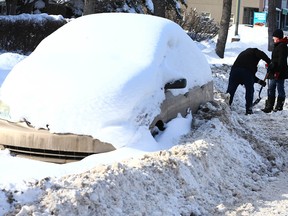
176, 84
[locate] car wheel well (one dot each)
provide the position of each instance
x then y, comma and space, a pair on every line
160, 125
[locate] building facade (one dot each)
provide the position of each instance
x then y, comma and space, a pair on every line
213, 9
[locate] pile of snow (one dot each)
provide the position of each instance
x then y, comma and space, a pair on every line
103, 75
228, 164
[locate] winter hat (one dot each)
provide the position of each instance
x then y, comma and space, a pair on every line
278, 33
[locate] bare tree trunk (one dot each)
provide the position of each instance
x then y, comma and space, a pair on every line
159, 7
271, 22
224, 27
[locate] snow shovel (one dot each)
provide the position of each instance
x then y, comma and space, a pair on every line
259, 95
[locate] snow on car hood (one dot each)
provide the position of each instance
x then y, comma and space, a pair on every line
103, 75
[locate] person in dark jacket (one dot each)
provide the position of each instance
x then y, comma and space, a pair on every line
278, 72
243, 72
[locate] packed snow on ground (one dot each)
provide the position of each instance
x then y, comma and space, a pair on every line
226, 164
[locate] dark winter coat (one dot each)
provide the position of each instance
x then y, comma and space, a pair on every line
249, 59
279, 60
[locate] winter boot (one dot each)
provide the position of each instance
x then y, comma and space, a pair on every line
269, 104
279, 104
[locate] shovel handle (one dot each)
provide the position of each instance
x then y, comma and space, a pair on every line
266, 76
259, 95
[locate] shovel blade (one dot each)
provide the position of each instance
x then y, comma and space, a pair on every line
256, 101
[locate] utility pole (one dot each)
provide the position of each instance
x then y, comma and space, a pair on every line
237, 16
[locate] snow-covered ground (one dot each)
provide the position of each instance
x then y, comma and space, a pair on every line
227, 164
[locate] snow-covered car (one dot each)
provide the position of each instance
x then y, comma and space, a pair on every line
111, 77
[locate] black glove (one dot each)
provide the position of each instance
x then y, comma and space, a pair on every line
262, 82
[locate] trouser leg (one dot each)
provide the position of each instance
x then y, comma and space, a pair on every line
232, 87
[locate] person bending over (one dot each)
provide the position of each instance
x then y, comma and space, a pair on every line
243, 72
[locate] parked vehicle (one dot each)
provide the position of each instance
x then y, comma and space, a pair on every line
87, 90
